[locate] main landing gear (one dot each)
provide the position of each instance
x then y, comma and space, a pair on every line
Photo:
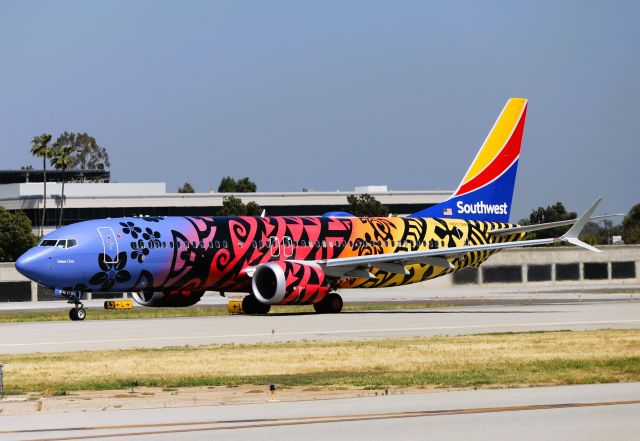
331, 304
251, 306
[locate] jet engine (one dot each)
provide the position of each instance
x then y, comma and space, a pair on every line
167, 299
289, 283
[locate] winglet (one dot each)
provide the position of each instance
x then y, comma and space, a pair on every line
571, 236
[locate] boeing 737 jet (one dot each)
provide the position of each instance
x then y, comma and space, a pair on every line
290, 260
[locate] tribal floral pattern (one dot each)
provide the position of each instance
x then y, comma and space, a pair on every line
196, 254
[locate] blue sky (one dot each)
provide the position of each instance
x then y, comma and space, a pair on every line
332, 94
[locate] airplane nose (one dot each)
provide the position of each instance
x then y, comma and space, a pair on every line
27, 264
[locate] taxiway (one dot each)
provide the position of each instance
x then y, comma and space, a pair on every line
120, 334
606, 411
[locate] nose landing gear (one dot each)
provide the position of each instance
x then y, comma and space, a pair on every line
77, 313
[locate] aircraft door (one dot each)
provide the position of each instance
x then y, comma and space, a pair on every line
109, 244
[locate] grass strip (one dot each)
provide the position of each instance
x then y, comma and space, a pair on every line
490, 360
142, 312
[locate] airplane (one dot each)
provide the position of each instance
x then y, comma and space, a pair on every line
296, 260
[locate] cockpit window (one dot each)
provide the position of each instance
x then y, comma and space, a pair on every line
62, 243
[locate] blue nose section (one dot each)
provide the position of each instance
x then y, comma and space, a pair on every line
29, 265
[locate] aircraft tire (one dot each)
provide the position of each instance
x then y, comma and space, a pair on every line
334, 303
251, 306
248, 305
331, 304
80, 314
73, 314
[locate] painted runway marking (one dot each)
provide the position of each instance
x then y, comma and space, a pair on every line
214, 425
331, 331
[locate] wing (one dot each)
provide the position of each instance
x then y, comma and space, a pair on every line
358, 266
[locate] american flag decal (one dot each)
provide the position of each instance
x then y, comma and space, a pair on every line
447, 211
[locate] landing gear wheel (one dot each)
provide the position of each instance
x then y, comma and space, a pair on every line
331, 304
251, 306
77, 314
75, 297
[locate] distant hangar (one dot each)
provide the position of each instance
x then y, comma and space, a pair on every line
93, 200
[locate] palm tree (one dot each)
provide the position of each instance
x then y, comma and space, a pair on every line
62, 159
39, 147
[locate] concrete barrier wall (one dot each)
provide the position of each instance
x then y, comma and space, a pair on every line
553, 266
549, 266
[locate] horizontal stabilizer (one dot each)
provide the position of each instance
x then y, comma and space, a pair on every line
571, 236
546, 226
582, 244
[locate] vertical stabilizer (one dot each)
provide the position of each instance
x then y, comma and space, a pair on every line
486, 191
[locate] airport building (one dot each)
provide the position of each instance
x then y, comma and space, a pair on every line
23, 190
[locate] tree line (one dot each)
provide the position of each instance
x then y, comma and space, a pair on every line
69, 151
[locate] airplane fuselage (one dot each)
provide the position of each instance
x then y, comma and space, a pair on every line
185, 255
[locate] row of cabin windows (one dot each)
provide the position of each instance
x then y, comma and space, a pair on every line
302, 243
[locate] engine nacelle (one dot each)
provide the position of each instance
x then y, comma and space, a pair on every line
289, 283
165, 299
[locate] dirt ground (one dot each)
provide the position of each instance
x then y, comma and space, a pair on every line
150, 397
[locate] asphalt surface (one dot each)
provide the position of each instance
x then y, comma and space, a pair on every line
422, 292
118, 334
589, 412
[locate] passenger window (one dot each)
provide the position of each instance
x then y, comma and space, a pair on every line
217, 244
224, 244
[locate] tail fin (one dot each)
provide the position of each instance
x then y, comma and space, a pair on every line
486, 191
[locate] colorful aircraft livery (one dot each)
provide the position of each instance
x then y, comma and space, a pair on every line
486, 190
172, 261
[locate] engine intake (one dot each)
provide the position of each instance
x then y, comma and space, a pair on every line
165, 299
289, 283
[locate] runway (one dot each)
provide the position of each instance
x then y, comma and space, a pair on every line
608, 411
120, 334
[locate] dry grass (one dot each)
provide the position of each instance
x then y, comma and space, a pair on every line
480, 360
